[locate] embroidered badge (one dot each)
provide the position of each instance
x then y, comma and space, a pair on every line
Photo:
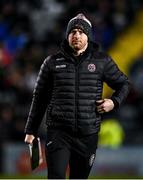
91, 160
91, 67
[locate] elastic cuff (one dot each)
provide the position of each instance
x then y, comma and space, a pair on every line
30, 132
116, 103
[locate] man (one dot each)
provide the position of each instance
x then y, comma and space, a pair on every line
69, 88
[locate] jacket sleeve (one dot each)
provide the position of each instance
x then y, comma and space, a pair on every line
40, 100
117, 80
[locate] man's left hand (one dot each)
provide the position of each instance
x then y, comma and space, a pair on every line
105, 105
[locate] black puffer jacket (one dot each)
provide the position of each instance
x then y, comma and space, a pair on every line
67, 89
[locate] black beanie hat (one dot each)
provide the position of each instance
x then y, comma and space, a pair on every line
81, 22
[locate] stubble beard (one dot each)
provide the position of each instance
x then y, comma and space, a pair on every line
77, 46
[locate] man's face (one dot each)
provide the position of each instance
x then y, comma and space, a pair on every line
77, 39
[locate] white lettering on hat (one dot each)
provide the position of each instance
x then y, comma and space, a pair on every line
81, 16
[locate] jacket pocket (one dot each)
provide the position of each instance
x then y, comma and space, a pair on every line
54, 140
51, 141
56, 112
49, 110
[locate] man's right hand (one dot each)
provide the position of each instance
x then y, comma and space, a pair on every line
29, 139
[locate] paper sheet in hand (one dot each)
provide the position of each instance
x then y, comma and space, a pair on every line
35, 153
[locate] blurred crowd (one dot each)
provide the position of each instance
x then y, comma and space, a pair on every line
31, 30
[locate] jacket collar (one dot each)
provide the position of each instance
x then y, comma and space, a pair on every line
68, 51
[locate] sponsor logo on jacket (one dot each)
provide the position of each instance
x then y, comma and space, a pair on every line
60, 66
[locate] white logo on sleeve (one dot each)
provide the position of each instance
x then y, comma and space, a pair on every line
91, 160
91, 67
50, 142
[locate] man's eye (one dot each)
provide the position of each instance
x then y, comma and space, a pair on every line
80, 32
74, 32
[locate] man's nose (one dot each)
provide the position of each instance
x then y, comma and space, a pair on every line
77, 34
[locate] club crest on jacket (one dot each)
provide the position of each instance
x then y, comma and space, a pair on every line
91, 67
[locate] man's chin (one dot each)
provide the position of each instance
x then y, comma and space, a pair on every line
76, 47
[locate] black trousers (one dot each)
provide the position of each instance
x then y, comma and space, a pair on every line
63, 149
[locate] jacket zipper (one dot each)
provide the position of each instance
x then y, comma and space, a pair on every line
76, 97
